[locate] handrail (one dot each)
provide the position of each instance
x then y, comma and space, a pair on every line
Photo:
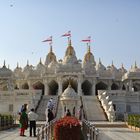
38, 103
89, 131
46, 131
84, 110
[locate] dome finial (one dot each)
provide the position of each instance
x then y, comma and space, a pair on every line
122, 66
4, 64
50, 46
112, 63
100, 61
17, 65
8, 66
69, 41
27, 62
135, 66
40, 61
88, 45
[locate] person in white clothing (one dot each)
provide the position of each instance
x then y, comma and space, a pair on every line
32, 116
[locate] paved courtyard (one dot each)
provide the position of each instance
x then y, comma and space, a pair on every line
13, 134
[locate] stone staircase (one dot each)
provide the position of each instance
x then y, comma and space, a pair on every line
42, 106
93, 108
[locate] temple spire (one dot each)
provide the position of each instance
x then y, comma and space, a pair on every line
69, 41
4, 64
88, 45
17, 65
100, 61
112, 63
27, 62
40, 61
135, 66
122, 66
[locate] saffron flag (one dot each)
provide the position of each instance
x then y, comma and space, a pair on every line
48, 39
67, 34
87, 40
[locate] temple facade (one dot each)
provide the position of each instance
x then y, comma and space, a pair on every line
85, 76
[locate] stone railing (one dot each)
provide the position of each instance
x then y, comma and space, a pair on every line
89, 131
107, 105
46, 131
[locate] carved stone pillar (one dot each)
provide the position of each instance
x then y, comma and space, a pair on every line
93, 88
79, 85
79, 88
130, 85
109, 85
46, 87
30, 85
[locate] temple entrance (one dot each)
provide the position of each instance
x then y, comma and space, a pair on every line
39, 85
136, 86
25, 86
70, 81
114, 86
101, 86
87, 88
53, 88
123, 87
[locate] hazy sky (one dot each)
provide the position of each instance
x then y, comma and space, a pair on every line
114, 25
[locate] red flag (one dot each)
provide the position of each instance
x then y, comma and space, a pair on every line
48, 39
87, 40
67, 34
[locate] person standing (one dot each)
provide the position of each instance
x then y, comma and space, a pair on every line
68, 113
50, 115
32, 118
23, 122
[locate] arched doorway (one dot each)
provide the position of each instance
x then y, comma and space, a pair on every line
101, 86
123, 87
114, 86
39, 85
136, 86
53, 88
70, 81
25, 86
87, 88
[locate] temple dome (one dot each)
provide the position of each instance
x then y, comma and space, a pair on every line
70, 57
135, 68
5, 72
89, 58
100, 67
40, 67
69, 93
50, 57
52, 64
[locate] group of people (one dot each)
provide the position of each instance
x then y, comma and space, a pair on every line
24, 118
31, 117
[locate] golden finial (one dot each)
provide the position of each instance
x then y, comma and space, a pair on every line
88, 47
69, 41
